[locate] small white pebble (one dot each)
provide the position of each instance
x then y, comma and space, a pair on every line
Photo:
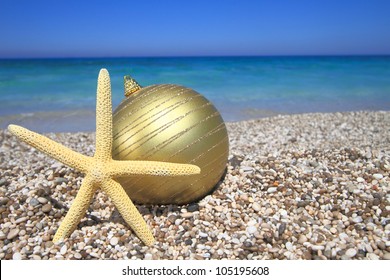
378, 176
357, 219
114, 241
63, 249
77, 255
235, 241
42, 200
368, 248
372, 256
289, 246
94, 254
351, 252
283, 212
359, 179
272, 189
17, 256
256, 206
251, 229
317, 247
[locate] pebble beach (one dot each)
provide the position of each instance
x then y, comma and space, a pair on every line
304, 186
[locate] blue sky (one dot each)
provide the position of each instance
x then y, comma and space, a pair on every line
193, 28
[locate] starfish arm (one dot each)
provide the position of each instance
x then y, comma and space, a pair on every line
51, 148
120, 168
128, 211
103, 117
77, 210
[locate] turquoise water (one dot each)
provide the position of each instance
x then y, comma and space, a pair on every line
47, 94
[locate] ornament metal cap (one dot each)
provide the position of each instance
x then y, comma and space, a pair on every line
131, 85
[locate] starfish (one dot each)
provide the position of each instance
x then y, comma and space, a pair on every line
101, 170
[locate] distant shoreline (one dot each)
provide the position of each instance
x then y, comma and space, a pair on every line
84, 120
55, 121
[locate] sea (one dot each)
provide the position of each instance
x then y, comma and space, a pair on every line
59, 95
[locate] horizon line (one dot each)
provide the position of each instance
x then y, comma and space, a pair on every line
191, 56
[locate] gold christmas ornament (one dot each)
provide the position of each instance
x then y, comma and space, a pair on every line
169, 123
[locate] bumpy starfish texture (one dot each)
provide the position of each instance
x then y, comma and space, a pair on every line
101, 170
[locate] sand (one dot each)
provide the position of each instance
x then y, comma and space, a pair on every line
310, 186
